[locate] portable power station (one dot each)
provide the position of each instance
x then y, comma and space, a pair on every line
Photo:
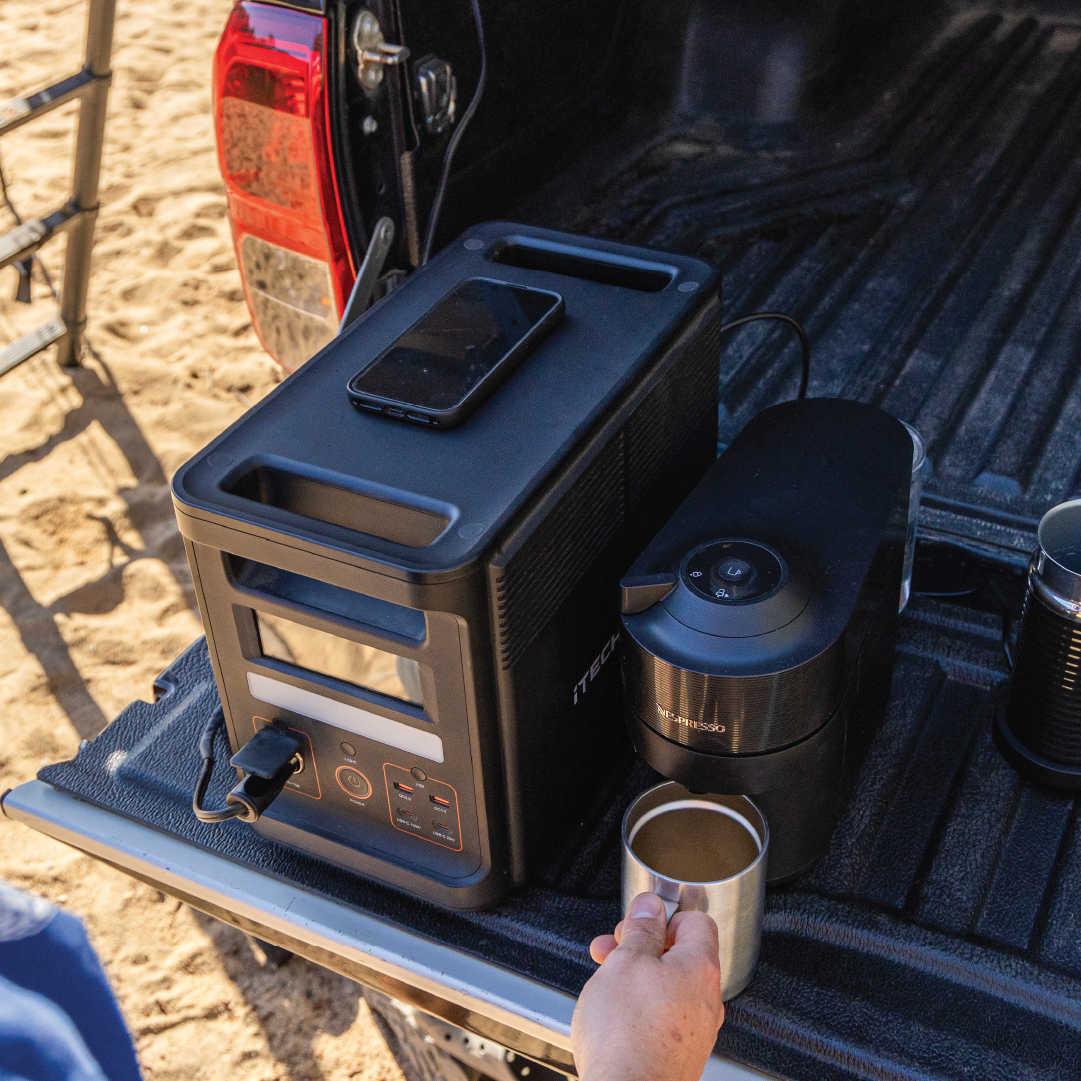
433, 615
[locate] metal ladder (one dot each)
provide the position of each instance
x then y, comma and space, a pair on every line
77, 216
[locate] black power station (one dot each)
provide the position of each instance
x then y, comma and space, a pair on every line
432, 614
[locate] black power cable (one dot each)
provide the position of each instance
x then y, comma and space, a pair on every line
804, 342
455, 139
1007, 624
206, 749
267, 761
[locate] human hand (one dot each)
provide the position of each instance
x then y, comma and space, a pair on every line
652, 1010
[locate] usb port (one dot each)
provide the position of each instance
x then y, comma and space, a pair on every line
403, 787
442, 827
439, 799
406, 814
419, 418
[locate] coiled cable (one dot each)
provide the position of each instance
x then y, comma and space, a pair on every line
455, 139
805, 344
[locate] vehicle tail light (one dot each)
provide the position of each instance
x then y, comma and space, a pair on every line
274, 151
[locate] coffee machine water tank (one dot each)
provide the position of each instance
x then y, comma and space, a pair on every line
758, 624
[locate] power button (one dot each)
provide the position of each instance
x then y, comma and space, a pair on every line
352, 782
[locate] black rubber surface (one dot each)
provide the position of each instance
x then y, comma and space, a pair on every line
939, 938
931, 247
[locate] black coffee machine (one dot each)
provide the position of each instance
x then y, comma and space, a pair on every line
759, 623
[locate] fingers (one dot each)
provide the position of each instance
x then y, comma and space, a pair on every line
643, 930
601, 947
695, 951
693, 938
695, 931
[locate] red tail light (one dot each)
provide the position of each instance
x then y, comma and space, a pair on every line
274, 152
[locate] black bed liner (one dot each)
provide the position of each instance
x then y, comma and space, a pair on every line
938, 937
932, 249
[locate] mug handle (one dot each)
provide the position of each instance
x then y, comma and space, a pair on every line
670, 907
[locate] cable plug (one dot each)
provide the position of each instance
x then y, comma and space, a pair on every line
269, 759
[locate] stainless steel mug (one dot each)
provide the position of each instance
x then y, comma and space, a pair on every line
702, 853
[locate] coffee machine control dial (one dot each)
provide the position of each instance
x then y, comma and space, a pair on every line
734, 571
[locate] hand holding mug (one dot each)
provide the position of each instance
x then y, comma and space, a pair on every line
653, 1008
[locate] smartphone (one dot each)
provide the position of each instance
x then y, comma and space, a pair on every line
452, 358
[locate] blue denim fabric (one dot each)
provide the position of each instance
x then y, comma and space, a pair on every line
38, 1041
45, 952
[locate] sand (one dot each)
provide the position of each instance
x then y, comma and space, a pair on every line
95, 592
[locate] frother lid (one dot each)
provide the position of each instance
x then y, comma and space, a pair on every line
1058, 559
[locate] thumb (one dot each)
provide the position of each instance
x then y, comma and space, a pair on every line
645, 926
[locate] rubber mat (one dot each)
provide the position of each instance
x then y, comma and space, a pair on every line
932, 249
938, 938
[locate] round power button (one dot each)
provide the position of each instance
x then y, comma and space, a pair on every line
352, 782
418, 774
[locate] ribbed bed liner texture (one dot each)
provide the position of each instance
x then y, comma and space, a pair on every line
932, 249
940, 937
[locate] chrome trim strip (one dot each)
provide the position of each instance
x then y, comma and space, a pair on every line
477, 995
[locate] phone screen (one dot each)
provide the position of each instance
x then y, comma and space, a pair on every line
444, 355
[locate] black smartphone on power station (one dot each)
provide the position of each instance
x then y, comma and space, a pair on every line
456, 354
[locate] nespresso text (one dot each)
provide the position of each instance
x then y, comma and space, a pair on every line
698, 726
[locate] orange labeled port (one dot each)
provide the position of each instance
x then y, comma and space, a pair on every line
299, 783
403, 783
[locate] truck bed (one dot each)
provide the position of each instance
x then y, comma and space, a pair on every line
930, 241
931, 246
937, 938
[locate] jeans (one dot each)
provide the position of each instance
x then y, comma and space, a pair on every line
58, 1018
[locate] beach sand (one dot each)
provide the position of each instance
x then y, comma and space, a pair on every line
95, 594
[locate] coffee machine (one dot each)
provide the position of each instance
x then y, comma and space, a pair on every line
758, 624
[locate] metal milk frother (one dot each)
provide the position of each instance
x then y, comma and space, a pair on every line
1039, 729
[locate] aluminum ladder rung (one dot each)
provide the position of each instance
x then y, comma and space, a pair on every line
25, 239
30, 344
77, 217
19, 111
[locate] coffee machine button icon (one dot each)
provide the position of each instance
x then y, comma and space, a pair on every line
734, 570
